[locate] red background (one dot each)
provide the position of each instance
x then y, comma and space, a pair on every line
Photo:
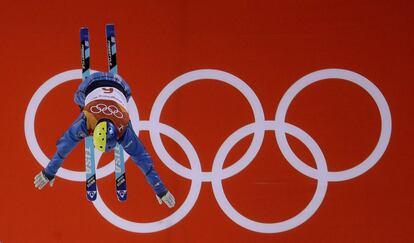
269, 45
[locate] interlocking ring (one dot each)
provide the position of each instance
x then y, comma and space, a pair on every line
218, 173
106, 110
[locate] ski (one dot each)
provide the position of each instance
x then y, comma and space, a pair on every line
90, 169
89, 147
121, 190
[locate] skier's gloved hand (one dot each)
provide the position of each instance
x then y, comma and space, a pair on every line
167, 198
42, 179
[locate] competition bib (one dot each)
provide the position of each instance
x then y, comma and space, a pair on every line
106, 93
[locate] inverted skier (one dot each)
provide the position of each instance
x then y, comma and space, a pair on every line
103, 99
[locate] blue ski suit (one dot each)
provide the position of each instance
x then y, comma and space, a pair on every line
79, 130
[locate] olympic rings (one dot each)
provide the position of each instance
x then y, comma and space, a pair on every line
106, 110
218, 173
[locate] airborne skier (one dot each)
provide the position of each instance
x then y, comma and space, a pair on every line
103, 99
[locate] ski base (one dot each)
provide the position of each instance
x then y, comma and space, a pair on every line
121, 191
121, 187
91, 190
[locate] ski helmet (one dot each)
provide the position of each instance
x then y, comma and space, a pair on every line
105, 136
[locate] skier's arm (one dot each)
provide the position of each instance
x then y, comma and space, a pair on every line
133, 146
66, 144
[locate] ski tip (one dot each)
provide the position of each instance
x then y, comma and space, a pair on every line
122, 195
91, 195
110, 29
123, 199
84, 33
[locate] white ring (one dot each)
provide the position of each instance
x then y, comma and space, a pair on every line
187, 78
291, 223
353, 77
181, 212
